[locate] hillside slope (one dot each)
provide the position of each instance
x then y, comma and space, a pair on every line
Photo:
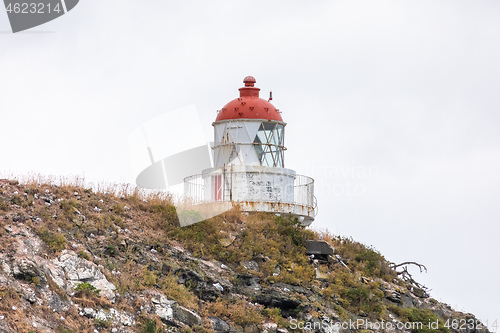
72, 260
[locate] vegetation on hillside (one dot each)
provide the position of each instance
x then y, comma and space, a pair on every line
120, 230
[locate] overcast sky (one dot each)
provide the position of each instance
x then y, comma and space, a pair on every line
392, 106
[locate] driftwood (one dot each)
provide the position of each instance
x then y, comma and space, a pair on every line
417, 288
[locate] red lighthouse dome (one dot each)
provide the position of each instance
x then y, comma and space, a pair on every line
249, 105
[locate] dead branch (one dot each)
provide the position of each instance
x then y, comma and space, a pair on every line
407, 278
406, 263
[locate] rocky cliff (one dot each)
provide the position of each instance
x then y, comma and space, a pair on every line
73, 260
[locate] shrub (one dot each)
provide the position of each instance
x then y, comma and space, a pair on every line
415, 315
178, 292
275, 315
118, 208
237, 310
111, 250
4, 206
372, 260
17, 200
84, 255
149, 278
69, 208
101, 323
354, 295
36, 280
87, 289
363, 258
150, 326
55, 241
107, 222
164, 215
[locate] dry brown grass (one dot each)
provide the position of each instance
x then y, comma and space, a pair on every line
179, 292
235, 309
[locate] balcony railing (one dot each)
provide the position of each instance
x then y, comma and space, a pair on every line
205, 188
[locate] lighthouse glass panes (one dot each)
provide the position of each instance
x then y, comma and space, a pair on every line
269, 144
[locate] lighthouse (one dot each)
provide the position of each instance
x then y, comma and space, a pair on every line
249, 162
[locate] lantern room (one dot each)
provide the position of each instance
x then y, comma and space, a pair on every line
249, 131
249, 162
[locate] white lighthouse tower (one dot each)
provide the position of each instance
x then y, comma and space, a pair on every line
249, 162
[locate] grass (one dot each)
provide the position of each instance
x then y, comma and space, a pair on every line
236, 310
362, 258
279, 239
355, 296
179, 292
130, 223
84, 255
55, 241
414, 315
151, 326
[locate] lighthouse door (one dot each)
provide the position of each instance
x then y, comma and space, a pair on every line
217, 181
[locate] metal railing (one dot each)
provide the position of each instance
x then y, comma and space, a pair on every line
196, 189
